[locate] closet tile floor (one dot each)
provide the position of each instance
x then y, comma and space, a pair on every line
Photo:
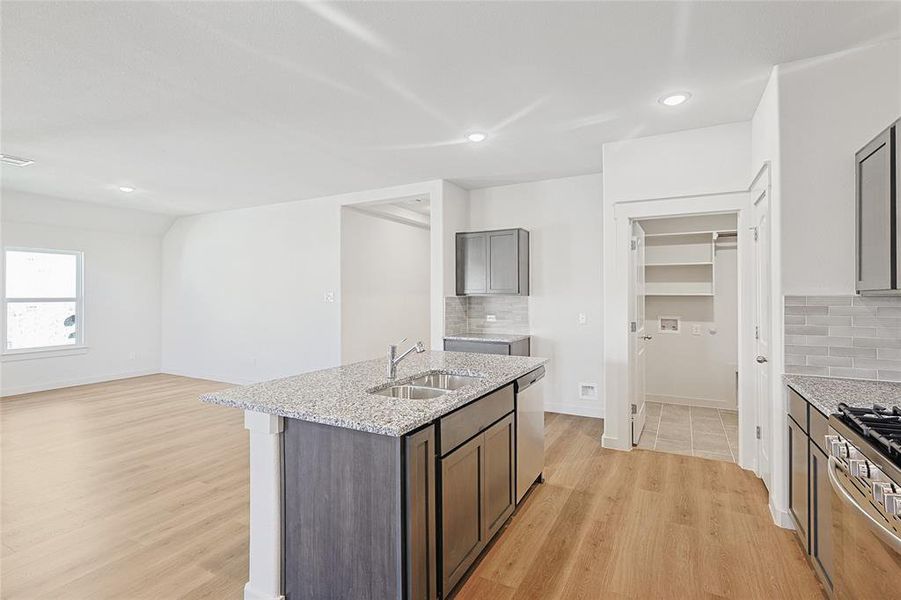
691, 430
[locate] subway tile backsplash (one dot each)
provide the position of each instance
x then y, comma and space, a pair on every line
844, 336
469, 314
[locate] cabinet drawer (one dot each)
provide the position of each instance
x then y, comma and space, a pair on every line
819, 427
797, 409
466, 422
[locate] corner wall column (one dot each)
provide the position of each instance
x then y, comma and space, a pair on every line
265, 506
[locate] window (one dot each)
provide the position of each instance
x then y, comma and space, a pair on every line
43, 304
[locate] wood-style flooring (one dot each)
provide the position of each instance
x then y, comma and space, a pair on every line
134, 489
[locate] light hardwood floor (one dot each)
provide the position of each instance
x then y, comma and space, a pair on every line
134, 489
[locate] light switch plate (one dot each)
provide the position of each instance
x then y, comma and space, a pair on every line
582, 319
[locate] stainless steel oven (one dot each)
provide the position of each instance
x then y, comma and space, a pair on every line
866, 504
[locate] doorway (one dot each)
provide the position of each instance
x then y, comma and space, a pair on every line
685, 359
385, 276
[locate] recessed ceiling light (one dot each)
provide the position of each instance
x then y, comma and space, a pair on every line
15, 160
126, 189
476, 137
674, 99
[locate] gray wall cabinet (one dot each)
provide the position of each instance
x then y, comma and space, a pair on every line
518, 348
810, 494
493, 262
878, 237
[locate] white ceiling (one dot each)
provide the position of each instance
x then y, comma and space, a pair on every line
208, 106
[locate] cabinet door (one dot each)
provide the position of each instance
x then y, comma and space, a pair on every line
500, 492
503, 262
422, 583
472, 263
820, 514
464, 530
874, 214
798, 480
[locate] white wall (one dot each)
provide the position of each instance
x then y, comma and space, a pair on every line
713, 160
829, 107
684, 367
565, 220
122, 250
244, 291
385, 285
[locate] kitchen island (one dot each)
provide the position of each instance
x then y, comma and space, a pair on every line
367, 488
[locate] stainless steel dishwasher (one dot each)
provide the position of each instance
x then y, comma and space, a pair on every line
529, 431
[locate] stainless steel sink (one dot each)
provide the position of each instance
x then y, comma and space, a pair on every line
445, 381
410, 392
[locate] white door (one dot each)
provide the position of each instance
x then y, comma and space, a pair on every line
762, 334
638, 338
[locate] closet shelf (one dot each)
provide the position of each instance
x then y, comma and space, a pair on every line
681, 264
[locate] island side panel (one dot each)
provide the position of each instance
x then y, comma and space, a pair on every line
342, 513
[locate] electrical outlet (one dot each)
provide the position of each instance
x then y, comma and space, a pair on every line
695, 330
490, 318
330, 297
133, 356
582, 319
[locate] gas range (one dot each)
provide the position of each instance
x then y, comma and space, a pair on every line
864, 470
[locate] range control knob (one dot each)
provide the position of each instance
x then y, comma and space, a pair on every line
859, 467
892, 503
880, 489
838, 448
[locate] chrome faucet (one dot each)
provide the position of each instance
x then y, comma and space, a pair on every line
393, 358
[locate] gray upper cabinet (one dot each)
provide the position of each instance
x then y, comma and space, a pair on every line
493, 262
877, 236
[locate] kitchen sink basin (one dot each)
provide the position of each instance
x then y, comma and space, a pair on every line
444, 381
410, 392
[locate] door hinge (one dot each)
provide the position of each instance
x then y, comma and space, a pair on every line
633, 244
757, 432
756, 234
634, 409
757, 332
633, 327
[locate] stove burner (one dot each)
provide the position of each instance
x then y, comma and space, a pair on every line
878, 424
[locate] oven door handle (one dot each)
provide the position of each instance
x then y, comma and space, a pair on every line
881, 531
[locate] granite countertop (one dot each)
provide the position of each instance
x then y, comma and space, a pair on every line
340, 396
502, 338
824, 393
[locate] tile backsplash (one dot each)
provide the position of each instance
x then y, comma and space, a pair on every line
844, 336
469, 314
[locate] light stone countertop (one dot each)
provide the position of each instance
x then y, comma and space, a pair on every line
339, 396
501, 338
824, 393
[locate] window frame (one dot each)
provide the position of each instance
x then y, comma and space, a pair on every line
61, 349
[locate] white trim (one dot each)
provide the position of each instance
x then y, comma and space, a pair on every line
616, 316
579, 410
49, 352
65, 383
265, 546
688, 401
79, 293
782, 518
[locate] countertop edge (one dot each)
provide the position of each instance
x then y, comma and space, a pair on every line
212, 398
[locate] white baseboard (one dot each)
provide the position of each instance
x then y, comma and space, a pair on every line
684, 401
220, 377
781, 517
579, 410
64, 383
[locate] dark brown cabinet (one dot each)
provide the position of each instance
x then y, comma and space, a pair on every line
421, 547
493, 262
878, 238
478, 485
797, 481
463, 525
810, 494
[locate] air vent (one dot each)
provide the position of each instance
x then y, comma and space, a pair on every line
15, 160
